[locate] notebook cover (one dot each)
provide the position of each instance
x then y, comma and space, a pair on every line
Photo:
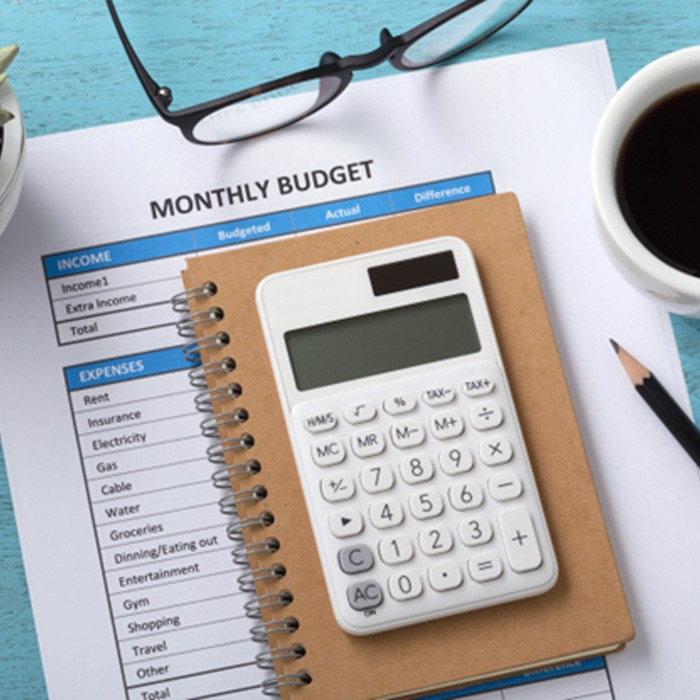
584, 613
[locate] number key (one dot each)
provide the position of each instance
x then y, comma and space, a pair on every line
425, 505
436, 540
416, 469
377, 479
465, 495
405, 586
456, 460
395, 550
476, 530
385, 514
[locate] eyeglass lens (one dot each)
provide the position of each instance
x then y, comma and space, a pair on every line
264, 113
460, 33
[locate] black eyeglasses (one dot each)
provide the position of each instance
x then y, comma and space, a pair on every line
254, 111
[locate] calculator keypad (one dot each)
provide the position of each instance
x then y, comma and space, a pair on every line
422, 498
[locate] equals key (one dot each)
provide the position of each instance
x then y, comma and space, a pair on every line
485, 567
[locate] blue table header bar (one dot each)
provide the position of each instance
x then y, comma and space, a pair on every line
189, 241
544, 674
120, 369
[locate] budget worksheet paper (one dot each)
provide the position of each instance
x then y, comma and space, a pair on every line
130, 573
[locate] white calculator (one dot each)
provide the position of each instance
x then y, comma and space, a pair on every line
406, 439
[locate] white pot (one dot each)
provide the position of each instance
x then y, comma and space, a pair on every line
11, 156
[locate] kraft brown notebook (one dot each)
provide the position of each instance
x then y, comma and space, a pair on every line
584, 614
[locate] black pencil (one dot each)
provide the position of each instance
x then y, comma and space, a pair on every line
661, 402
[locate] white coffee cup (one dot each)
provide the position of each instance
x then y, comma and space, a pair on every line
668, 286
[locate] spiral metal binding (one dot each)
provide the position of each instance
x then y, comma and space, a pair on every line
229, 503
187, 327
254, 608
221, 478
241, 554
266, 659
272, 687
198, 375
216, 453
210, 426
248, 579
261, 632
234, 531
193, 350
219, 453
181, 302
203, 401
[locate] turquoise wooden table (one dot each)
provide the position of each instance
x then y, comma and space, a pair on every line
72, 73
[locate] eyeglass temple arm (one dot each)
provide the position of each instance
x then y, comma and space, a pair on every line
161, 97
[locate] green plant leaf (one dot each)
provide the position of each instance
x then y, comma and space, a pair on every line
5, 116
7, 55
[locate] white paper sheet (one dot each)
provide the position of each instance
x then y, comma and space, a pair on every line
527, 121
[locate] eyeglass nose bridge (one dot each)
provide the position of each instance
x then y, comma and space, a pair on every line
388, 45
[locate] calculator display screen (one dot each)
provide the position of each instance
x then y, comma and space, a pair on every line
382, 341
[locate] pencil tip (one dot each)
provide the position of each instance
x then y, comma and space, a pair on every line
615, 344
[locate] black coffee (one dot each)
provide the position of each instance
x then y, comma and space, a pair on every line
658, 179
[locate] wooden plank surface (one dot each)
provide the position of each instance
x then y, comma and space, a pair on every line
72, 73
